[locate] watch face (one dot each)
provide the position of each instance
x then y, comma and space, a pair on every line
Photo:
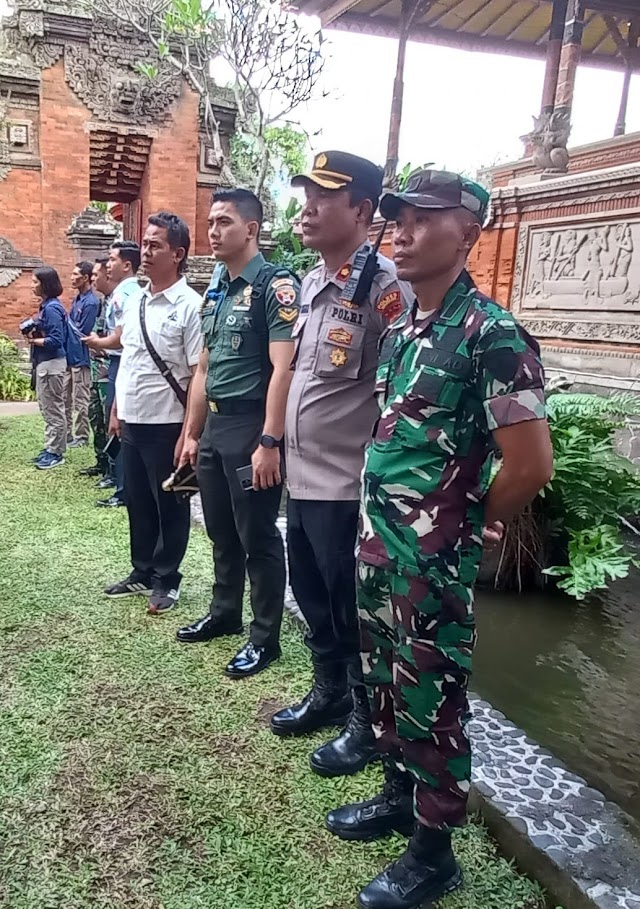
269, 442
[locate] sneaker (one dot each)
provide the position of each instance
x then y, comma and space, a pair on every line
129, 588
49, 460
162, 601
78, 443
106, 483
111, 502
39, 456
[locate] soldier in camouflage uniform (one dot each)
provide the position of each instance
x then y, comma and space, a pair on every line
457, 376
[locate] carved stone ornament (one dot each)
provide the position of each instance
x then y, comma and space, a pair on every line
581, 281
103, 76
8, 275
548, 140
12, 262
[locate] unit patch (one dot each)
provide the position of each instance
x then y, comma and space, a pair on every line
340, 336
288, 313
338, 356
286, 295
390, 305
236, 342
281, 282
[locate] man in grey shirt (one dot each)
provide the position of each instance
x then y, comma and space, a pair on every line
330, 415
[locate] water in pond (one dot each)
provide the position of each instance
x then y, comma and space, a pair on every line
569, 675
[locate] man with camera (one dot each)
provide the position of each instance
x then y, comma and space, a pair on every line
159, 332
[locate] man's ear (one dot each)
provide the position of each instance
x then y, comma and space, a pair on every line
471, 235
365, 211
253, 230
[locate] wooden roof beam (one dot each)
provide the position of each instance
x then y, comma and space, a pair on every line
448, 11
534, 9
334, 10
387, 27
496, 18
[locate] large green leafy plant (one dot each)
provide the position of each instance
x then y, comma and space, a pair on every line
14, 384
574, 529
289, 250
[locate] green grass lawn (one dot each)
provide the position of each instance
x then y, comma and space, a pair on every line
132, 772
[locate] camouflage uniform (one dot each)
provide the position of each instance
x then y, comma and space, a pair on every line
444, 383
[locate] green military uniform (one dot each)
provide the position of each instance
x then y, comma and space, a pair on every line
443, 384
240, 318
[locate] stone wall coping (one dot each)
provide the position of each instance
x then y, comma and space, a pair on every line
608, 178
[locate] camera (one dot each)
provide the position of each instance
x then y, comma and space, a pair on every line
28, 326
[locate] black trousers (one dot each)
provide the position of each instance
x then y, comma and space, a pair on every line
158, 522
321, 540
242, 527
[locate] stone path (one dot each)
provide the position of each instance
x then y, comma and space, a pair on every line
17, 408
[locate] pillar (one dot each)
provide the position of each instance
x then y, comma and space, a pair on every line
411, 9
621, 122
554, 50
569, 57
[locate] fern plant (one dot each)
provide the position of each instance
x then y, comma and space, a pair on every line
14, 384
573, 531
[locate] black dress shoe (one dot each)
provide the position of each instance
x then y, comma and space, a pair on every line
424, 873
206, 629
91, 472
327, 704
111, 502
354, 748
375, 818
250, 661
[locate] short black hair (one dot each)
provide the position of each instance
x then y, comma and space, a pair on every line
177, 233
358, 194
246, 203
129, 251
101, 261
49, 281
85, 268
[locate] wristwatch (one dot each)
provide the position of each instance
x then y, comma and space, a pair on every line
269, 442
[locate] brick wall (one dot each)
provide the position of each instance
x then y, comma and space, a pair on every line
203, 205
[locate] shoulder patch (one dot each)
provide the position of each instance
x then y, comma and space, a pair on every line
288, 313
286, 294
390, 305
282, 282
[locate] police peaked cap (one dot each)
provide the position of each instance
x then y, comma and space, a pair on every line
337, 169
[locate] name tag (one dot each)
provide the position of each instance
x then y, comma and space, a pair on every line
345, 315
444, 359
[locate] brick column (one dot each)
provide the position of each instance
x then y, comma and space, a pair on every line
569, 57
554, 50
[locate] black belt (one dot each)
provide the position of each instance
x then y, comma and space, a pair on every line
231, 406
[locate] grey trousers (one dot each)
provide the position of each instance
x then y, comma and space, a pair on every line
50, 389
77, 398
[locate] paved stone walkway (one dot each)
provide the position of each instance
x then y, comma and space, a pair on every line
17, 408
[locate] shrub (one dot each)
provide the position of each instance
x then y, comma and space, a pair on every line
14, 384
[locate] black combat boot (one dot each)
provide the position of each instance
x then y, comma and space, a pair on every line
379, 816
424, 873
354, 748
327, 704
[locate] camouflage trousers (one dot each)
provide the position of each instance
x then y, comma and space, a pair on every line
417, 640
97, 421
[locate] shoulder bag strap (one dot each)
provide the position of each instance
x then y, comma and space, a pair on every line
180, 393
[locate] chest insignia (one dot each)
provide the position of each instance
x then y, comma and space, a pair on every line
346, 315
338, 356
340, 336
236, 343
231, 320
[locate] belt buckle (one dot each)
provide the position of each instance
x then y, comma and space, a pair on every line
213, 407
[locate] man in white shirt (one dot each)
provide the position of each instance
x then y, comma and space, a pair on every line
148, 413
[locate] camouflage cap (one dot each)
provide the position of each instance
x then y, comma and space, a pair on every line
337, 169
437, 189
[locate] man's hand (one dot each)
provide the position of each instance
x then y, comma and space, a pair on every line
492, 534
115, 426
90, 340
266, 467
35, 342
189, 453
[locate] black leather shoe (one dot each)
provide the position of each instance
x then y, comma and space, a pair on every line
424, 873
327, 704
250, 661
111, 502
91, 472
374, 818
206, 629
354, 748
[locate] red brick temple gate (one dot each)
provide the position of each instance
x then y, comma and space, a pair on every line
79, 124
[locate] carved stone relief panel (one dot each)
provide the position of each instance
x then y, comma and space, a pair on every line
580, 281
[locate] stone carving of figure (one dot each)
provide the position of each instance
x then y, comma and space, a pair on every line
564, 265
598, 243
623, 244
541, 271
549, 139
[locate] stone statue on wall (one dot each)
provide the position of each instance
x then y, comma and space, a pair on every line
548, 140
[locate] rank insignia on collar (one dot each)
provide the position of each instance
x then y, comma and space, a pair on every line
340, 336
236, 341
338, 356
343, 274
